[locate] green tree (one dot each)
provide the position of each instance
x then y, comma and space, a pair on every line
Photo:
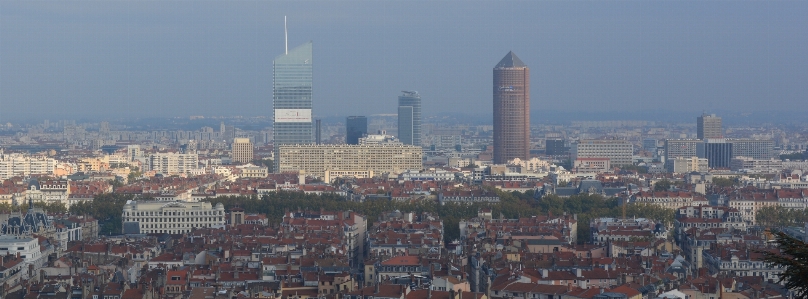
5, 207
263, 162
51, 207
723, 182
106, 208
134, 174
793, 258
662, 185
115, 183
638, 169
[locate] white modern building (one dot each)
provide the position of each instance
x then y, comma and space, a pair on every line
619, 152
173, 163
16, 164
28, 248
376, 139
147, 217
750, 165
318, 159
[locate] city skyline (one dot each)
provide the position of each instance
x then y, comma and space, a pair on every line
129, 57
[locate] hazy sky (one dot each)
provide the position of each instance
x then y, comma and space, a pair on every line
73, 59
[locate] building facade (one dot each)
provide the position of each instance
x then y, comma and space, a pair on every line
686, 165
680, 148
16, 164
409, 118
619, 152
292, 97
553, 147
355, 127
761, 149
317, 160
718, 152
148, 217
173, 163
708, 126
750, 165
242, 150
511, 109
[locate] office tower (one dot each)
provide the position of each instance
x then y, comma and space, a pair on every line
172, 163
511, 109
554, 147
242, 150
355, 128
718, 152
291, 95
619, 152
409, 118
318, 133
708, 126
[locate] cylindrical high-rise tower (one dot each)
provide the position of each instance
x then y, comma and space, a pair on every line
511, 109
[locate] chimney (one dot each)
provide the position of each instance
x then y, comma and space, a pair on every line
578, 272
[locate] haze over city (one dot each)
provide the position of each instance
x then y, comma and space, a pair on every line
605, 60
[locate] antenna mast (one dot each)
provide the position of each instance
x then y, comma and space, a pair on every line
285, 36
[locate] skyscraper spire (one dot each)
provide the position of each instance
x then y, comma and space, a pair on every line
285, 37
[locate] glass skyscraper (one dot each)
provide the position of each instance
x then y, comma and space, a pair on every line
291, 97
409, 118
355, 128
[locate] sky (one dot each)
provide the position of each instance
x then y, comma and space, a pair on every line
109, 59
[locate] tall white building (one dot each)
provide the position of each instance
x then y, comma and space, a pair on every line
148, 217
242, 151
17, 164
173, 163
619, 152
